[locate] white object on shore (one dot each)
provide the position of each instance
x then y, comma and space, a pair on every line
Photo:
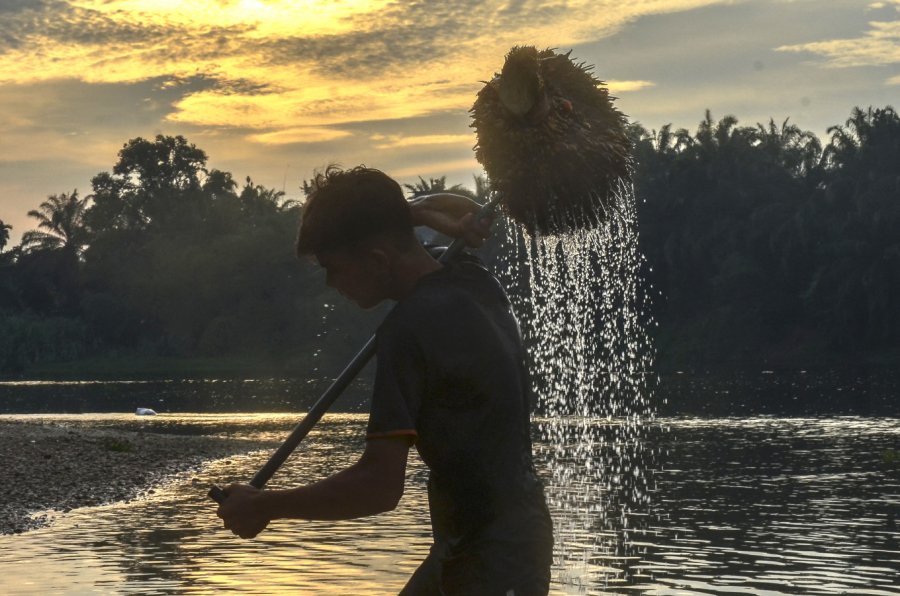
144, 412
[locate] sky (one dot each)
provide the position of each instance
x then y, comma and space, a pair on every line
274, 89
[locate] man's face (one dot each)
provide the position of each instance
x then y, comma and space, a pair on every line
358, 275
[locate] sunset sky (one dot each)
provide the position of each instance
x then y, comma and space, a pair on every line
274, 89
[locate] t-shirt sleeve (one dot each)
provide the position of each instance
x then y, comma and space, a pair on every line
399, 383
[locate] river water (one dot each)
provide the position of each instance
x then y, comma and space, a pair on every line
761, 505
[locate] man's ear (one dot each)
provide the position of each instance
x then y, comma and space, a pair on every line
379, 259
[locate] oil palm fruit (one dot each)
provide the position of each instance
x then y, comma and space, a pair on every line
551, 142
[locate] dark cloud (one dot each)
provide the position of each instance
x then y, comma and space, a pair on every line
227, 86
528, 13
399, 37
404, 36
59, 21
17, 17
67, 107
450, 122
13, 6
365, 55
407, 35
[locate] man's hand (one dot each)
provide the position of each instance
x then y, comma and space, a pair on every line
372, 485
242, 512
452, 215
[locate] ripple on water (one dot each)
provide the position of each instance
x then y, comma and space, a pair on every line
720, 523
740, 506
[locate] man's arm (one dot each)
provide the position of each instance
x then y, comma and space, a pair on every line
452, 215
372, 485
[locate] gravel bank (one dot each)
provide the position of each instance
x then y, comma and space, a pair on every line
46, 466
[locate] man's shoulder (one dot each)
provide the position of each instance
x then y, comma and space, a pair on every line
457, 284
447, 295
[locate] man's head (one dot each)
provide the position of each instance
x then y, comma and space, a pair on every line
348, 208
355, 223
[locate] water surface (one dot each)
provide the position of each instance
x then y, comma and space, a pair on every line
754, 505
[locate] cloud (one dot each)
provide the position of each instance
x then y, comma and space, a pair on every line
275, 88
626, 86
881, 5
270, 67
298, 135
397, 142
74, 120
879, 46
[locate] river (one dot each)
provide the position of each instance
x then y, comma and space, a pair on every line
763, 505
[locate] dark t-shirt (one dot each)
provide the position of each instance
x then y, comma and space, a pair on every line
451, 372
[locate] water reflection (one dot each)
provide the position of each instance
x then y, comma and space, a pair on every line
782, 393
752, 506
778, 505
178, 395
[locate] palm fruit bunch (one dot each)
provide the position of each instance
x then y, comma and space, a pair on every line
551, 142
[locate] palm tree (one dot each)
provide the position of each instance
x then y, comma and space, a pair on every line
4, 234
426, 187
859, 251
799, 151
258, 200
60, 225
438, 185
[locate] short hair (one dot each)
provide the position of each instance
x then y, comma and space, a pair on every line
348, 207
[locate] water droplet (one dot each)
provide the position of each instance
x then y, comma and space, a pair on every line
585, 313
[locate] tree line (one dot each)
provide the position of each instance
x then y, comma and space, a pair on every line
766, 246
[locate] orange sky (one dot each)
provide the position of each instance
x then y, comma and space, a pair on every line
273, 88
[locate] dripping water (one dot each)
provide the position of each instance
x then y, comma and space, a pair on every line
585, 318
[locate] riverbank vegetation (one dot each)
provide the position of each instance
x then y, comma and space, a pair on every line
768, 246
765, 245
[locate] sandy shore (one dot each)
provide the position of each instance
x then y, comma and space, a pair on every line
46, 466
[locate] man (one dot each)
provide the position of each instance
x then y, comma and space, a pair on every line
450, 379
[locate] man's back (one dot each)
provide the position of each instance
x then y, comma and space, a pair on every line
451, 371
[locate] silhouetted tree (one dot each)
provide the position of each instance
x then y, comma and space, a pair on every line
152, 184
425, 187
856, 280
48, 268
761, 239
4, 234
766, 246
259, 200
60, 225
436, 185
